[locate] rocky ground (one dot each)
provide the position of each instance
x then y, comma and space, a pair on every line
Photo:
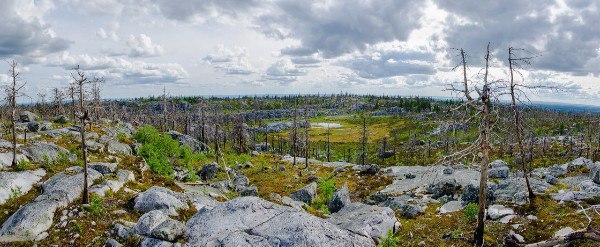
268, 201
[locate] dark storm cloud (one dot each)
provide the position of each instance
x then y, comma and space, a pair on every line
189, 10
566, 39
27, 37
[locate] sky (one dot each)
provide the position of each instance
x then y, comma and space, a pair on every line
250, 47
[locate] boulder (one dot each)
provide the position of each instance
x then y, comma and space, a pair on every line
156, 224
249, 191
33, 126
287, 201
240, 180
339, 200
367, 220
149, 221
450, 207
46, 152
209, 171
18, 183
470, 193
448, 170
497, 211
187, 140
445, 187
27, 116
367, 169
306, 194
115, 147
6, 159
401, 204
498, 169
595, 173
552, 180
257, 222
103, 167
61, 119
563, 232
159, 198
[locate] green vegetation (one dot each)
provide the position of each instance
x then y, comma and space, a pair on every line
325, 190
390, 240
162, 152
23, 164
470, 212
96, 206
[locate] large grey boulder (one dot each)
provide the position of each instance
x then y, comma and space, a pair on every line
451, 206
159, 198
209, 171
46, 152
103, 167
367, 220
240, 180
21, 182
69, 185
156, 224
187, 140
249, 191
114, 185
256, 222
403, 205
340, 199
306, 194
27, 116
445, 187
115, 147
470, 193
35, 218
498, 169
6, 159
595, 173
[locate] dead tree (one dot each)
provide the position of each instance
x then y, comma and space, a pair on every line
294, 132
363, 145
306, 137
482, 106
13, 91
80, 81
515, 61
58, 97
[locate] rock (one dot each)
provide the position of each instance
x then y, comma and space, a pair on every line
153, 242
406, 209
451, 206
209, 171
125, 230
27, 116
532, 217
367, 220
516, 236
33, 126
125, 176
18, 183
187, 140
340, 169
286, 201
496, 211
445, 187
41, 237
506, 219
46, 152
339, 200
306, 194
249, 191
255, 153
410, 175
31, 220
498, 169
470, 194
115, 147
240, 180
367, 169
203, 202
448, 170
275, 197
257, 222
563, 232
110, 242
61, 119
149, 221
159, 198
103, 167
563, 196
169, 230
595, 173
552, 180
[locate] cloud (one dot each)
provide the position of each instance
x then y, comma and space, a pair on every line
334, 28
390, 63
564, 34
122, 70
142, 46
201, 11
24, 33
103, 34
230, 61
283, 71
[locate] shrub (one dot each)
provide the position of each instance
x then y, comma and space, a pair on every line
15, 192
470, 212
325, 190
23, 165
390, 240
96, 206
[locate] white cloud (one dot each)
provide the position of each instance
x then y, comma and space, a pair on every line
142, 46
283, 71
230, 61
